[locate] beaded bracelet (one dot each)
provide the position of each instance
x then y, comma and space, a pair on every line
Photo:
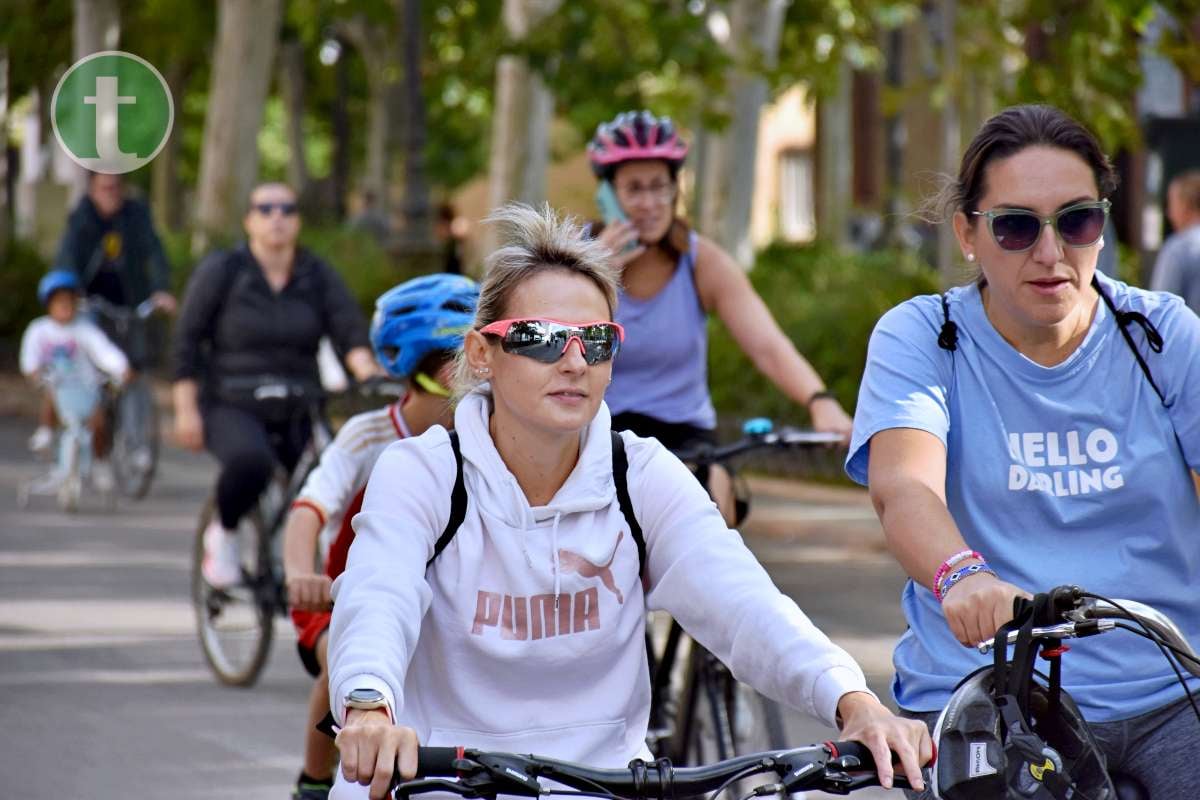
966, 572
949, 564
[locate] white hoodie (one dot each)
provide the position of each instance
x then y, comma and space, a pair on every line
472, 652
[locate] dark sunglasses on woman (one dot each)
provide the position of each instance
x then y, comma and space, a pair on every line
1017, 230
547, 340
287, 209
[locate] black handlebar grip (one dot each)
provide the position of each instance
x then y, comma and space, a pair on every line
857, 750
437, 762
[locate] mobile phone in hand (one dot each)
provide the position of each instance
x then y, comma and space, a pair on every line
610, 209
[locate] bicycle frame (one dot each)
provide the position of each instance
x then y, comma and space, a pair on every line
663, 736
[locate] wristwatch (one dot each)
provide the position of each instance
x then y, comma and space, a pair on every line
366, 699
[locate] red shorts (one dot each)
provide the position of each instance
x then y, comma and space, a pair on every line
311, 624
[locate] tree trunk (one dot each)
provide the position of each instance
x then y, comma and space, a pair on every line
379, 50
947, 253
521, 121
726, 189
291, 88
5, 199
165, 189
416, 236
97, 28
247, 31
836, 170
341, 137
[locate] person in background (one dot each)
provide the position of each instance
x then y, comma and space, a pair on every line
450, 229
417, 328
371, 218
672, 280
256, 315
111, 245
63, 343
1177, 268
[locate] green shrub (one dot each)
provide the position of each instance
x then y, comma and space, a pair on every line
20, 272
827, 302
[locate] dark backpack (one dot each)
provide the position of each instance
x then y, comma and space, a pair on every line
620, 468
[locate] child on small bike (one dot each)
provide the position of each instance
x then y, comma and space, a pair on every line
69, 353
415, 332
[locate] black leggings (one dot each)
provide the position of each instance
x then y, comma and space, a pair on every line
248, 447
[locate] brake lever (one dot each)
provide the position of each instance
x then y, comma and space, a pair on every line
425, 785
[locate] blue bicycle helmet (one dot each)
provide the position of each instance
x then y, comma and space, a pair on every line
56, 280
419, 317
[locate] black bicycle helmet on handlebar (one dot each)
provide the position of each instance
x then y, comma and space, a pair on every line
1009, 733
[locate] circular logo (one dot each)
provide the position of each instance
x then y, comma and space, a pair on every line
112, 112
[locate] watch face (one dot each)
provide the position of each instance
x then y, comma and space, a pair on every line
365, 696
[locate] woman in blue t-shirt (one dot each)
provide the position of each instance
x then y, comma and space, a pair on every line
671, 280
1010, 424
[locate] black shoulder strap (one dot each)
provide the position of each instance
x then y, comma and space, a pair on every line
948, 335
458, 502
1153, 337
620, 468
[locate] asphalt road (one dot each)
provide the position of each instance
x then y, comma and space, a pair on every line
104, 692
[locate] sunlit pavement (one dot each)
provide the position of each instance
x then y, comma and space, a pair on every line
104, 692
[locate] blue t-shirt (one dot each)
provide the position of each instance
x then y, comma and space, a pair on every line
1074, 473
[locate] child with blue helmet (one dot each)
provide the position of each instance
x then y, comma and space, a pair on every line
416, 331
64, 344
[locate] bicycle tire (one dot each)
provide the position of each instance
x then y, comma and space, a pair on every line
719, 718
703, 730
135, 430
235, 627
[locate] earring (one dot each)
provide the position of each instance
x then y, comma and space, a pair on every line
970, 256
483, 370
1101, 242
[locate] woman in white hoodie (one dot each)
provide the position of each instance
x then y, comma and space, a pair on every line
526, 633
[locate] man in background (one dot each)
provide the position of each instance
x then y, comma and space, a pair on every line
1177, 268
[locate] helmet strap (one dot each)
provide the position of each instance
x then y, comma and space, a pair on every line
430, 385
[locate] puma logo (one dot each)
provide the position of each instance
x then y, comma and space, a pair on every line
573, 562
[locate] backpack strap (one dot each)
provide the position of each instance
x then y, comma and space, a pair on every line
1124, 320
948, 335
620, 468
458, 502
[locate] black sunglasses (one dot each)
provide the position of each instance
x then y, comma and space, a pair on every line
1017, 230
287, 209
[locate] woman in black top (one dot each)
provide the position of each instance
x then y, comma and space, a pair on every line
253, 316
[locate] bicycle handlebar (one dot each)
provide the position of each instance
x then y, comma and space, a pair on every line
839, 767
1088, 616
781, 438
142, 310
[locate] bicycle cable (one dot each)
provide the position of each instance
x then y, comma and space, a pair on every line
753, 769
1153, 636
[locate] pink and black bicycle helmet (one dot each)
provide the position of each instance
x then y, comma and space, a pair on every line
635, 136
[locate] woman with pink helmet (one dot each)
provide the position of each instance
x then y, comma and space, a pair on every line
672, 280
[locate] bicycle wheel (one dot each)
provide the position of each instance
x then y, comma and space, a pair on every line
135, 438
704, 730
236, 625
720, 718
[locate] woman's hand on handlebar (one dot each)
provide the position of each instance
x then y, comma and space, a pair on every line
828, 416
977, 606
371, 747
309, 591
189, 429
864, 719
